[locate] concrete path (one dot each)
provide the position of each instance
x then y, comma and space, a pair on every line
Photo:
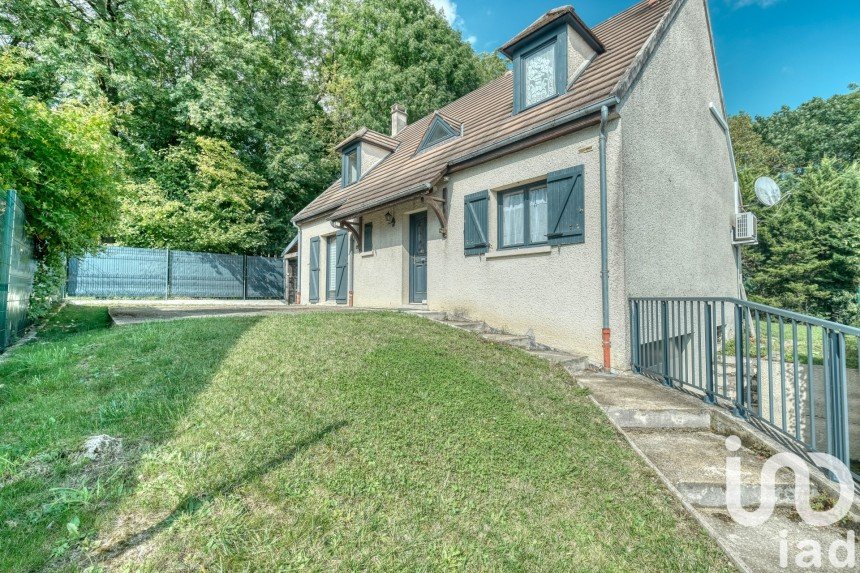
684, 441
125, 312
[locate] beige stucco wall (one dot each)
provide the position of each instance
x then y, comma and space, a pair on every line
578, 54
370, 156
678, 186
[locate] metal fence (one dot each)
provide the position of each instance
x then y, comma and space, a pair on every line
16, 269
128, 272
796, 374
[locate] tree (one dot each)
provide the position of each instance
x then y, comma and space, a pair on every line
203, 199
816, 129
808, 256
378, 53
67, 168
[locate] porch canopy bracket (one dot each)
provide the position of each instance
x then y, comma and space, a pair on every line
352, 227
438, 206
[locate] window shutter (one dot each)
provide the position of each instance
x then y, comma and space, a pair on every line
314, 277
341, 259
475, 232
566, 206
367, 241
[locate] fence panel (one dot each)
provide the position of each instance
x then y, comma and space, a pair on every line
205, 275
127, 272
119, 272
16, 269
265, 277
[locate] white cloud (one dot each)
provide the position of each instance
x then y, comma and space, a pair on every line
760, 3
449, 9
472, 39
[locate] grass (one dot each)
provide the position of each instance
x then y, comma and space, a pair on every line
318, 442
851, 355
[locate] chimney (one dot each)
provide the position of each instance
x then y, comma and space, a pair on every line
398, 119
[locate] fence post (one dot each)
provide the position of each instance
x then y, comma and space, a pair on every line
244, 277
167, 274
709, 355
634, 336
739, 409
836, 394
667, 378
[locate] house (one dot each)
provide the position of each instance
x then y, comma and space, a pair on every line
598, 169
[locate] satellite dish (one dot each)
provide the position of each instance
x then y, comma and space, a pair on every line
767, 191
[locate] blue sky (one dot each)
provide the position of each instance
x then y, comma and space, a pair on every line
771, 52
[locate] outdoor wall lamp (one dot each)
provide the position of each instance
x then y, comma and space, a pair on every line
389, 218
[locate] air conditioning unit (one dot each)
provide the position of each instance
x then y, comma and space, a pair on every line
746, 229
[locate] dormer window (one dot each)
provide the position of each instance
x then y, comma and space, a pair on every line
351, 164
549, 55
439, 131
538, 69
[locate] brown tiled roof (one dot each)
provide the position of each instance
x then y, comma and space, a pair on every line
488, 122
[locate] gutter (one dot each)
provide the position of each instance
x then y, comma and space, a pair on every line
604, 242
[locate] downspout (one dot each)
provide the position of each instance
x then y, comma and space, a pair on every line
737, 191
604, 242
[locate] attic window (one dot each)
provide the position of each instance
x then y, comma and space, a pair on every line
439, 131
539, 75
351, 164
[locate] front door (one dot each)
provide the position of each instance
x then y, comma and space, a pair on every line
418, 257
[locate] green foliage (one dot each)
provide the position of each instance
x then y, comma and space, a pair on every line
808, 257
66, 166
202, 198
380, 52
253, 75
816, 129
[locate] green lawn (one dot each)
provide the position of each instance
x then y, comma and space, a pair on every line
318, 442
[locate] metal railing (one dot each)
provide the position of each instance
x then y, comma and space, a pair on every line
797, 374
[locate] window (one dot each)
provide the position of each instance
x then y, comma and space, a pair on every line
539, 75
438, 131
540, 68
523, 217
351, 165
367, 239
330, 267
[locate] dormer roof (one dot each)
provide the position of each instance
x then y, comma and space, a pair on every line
562, 14
370, 136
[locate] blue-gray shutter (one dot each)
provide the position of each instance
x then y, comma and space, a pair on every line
475, 233
314, 276
566, 206
341, 250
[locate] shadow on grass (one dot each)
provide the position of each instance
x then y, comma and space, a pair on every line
82, 379
191, 504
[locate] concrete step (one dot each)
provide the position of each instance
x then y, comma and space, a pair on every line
571, 362
510, 339
695, 463
470, 325
428, 314
637, 403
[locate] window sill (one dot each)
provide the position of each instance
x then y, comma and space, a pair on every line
365, 254
524, 252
